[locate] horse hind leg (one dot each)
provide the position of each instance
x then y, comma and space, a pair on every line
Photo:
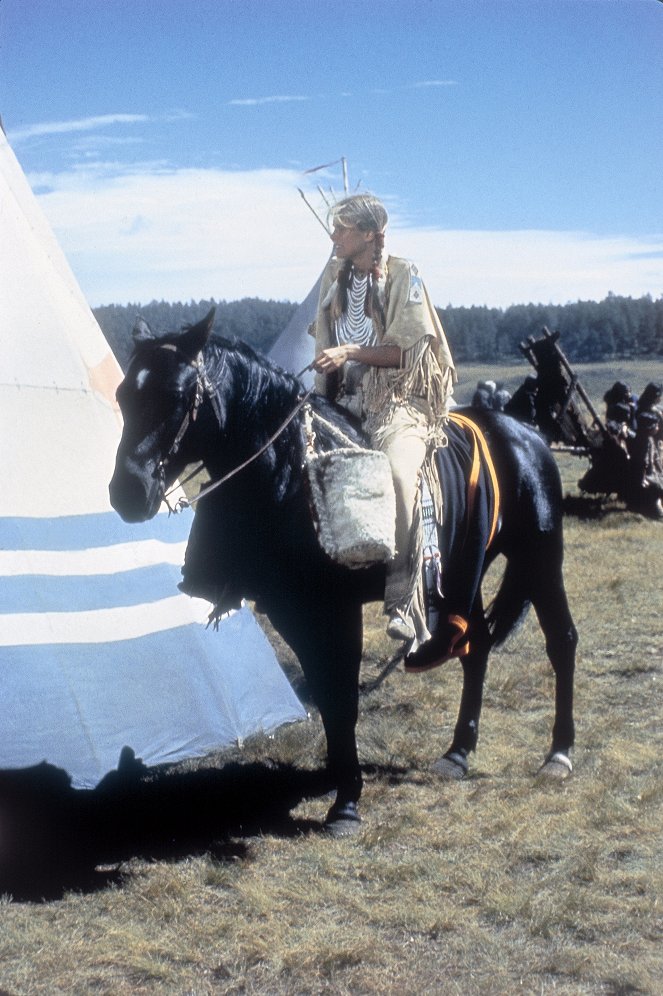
454, 764
548, 596
552, 609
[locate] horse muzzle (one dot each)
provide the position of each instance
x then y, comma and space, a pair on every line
136, 497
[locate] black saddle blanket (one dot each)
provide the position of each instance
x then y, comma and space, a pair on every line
470, 514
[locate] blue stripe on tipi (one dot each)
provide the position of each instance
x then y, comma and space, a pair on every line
27, 592
81, 593
81, 532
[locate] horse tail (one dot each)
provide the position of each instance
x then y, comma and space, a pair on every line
508, 609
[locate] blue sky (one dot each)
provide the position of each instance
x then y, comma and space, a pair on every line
518, 145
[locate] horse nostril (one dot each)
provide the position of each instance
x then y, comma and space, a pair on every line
128, 497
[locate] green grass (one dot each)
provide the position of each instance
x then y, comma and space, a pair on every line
497, 885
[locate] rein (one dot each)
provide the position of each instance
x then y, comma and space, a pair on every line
205, 387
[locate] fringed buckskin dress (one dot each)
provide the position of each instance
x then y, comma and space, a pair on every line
403, 409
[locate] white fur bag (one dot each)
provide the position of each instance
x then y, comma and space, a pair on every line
354, 505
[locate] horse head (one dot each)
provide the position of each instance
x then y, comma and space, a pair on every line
159, 399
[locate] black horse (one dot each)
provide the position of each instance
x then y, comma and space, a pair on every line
190, 397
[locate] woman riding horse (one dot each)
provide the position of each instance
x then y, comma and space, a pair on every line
190, 397
382, 354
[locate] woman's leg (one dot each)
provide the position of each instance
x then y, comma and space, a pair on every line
404, 441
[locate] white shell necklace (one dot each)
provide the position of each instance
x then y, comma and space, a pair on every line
354, 325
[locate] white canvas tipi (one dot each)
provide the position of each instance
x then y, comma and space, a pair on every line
295, 347
98, 650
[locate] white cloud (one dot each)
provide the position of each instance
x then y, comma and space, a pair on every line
284, 98
65, 127
145, 233
185, 234
258, 101
427, 83
503, 268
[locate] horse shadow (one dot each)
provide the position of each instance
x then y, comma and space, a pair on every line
598, 508
55, 838
591, 507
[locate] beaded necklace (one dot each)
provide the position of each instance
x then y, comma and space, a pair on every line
354, 325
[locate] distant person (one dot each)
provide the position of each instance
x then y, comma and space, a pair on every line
646, 450
501, 398
620, 409
619, 425
645, 477
382, 354
650, 399
484, 394
523, 403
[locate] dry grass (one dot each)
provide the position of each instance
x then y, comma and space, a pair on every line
497, 885
596, 378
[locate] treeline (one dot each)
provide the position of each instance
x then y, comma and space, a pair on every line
590, 331
255, 321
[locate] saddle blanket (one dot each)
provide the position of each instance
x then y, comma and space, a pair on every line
455, 549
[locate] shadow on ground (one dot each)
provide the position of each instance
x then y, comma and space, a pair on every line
590, 506
54, 838
597, 507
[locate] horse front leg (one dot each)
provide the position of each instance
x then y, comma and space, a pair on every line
333, 672
326, 635
561, 639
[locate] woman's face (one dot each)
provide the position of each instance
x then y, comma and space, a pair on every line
350, 243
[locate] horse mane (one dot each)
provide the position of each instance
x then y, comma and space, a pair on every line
261, 378
266, 389
268, 386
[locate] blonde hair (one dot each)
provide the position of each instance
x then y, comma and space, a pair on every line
362, 211
367, 214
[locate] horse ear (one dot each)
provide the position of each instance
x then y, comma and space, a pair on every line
141, 330
194, 339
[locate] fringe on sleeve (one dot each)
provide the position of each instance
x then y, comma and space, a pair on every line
419, 376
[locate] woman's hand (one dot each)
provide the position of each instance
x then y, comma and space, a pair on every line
334, 357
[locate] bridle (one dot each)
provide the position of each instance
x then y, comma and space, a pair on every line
205, 389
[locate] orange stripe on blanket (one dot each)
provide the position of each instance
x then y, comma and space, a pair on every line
482, 445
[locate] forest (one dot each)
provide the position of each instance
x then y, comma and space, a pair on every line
591, 331
255, 321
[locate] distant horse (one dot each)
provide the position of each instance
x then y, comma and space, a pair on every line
190, 397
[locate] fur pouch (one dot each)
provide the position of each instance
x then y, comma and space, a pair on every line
353, 505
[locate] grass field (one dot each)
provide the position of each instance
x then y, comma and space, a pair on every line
596, 378
215, 879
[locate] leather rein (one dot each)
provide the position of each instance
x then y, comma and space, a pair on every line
205, 389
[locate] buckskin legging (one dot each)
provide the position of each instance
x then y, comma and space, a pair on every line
404, 440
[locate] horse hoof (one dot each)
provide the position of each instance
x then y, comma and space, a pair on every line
451, 767
556, 767
342, 821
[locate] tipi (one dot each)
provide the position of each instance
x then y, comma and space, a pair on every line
295, 348
98, 651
